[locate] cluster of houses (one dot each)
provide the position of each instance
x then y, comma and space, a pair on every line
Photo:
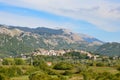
45, 52
49, 52
61, 52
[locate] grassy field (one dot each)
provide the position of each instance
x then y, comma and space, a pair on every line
73, 76
97, 70
20, 78
77, 76
104, 69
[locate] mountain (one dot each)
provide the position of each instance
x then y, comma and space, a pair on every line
109, 49
16, 40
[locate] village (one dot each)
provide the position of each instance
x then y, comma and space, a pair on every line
45, 52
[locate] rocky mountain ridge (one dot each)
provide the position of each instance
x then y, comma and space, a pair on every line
17, 40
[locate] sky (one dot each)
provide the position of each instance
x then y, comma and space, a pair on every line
97, 18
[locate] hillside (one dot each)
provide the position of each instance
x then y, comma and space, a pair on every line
109, 49
19, 40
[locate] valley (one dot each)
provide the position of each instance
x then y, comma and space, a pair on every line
56, 54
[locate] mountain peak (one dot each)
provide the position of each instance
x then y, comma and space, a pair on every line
64, 33
20, 39
12, 32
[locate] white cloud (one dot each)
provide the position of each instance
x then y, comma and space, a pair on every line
26, 21
102, 13
17, 20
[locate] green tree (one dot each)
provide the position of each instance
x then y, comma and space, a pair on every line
19, 61
14, 71
8, 61
63, 66
40, 63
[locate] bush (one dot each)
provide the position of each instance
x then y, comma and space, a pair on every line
81, 68
67, 73
8, 61
51, 72
63, 66
117, 75
3, 77
100, 64
40, 63
106, 76
11, 71
87, 76
14, 71
118, 68
39, 76
3, 70
19, 61
29, 69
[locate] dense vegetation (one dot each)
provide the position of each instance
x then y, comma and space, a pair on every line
70, 66
11, 46
73, 67
109, 49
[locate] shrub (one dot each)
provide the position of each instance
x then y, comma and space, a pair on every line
11, 71
51, 72
62, 77
3, 70
19, 61
40, 63
14, 71
8, 61
87, 76
3, 77
105, 76
81, 68
63, 66
100, 64
117, 76
29, 69
39, 76
118, 68
67, 73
